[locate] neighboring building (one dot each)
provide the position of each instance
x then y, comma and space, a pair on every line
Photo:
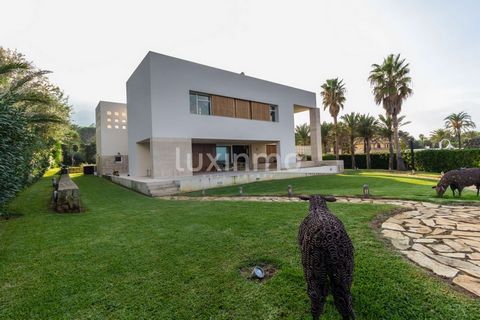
181, 112
111, 137
377, 145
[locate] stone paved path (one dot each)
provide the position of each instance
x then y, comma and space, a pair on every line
441, 238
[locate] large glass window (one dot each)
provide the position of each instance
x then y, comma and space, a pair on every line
200, 103
273, 113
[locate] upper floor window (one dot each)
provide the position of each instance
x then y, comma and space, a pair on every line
200, 103
273, 113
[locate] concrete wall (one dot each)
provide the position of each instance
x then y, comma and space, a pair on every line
111, 140
106, 165
111, 136
143, 163
139, 114
163, 83
170, 157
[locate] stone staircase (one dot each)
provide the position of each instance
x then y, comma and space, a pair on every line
163, 188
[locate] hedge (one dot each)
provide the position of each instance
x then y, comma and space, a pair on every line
433, 160
378, 160
445, 160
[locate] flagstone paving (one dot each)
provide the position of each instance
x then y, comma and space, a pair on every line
444, 239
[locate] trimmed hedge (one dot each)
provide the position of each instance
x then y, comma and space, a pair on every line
432, 160
445, 160
378, 160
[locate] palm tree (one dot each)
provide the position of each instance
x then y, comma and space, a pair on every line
19, 93
391, 86
326, 133
367, 128
333, 94
351, 122
385, 130
439, 135
302, 135
458, 123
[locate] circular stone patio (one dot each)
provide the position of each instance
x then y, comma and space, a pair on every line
441, 238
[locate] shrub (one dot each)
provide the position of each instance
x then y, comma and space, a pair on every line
432, 160
378, 160
445, 160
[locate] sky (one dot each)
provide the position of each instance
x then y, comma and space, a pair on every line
92, 47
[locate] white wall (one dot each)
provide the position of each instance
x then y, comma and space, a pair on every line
139, 113
171, 81
111, 141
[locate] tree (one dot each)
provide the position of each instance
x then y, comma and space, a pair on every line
385, 130
391, 87
469, 136
326, 130
33, 115
351, 122
333, 94
302, 135
367, 128
438, 135
459, 123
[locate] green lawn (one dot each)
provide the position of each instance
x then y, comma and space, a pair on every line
133, 257
381, 184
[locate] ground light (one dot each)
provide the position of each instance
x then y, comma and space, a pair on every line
258, 272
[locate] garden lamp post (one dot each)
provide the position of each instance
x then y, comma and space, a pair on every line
290, 191
412, 154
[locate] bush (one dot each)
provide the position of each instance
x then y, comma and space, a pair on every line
15, 154
445, 160
378, 160
432, 160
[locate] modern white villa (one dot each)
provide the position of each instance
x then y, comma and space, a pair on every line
188, 121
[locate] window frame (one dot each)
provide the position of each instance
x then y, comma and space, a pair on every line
274, 110
204, 97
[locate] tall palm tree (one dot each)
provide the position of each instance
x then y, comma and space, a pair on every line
367, 128
326, 133
302, 135
351, 122
333, 94
458, 123
19, 93
391, 87
385, 130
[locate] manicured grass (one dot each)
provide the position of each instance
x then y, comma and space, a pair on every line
133, 257
381, 184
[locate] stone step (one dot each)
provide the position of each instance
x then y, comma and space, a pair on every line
161, 183
164, 191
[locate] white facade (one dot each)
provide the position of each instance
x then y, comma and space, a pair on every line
162, 128
111, 137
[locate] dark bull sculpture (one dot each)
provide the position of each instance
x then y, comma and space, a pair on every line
458, 179
327, 258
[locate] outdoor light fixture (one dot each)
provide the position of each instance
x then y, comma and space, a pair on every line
290, 191
240, 191
258, 272
366, 191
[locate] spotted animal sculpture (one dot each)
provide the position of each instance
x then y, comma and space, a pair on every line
327, 258
458, 179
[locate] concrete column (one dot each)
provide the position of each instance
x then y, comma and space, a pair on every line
171, 157
315, 134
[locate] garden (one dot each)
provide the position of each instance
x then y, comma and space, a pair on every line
131, 256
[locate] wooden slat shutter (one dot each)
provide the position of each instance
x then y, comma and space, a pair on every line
223, 106
242, 109
260, 111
